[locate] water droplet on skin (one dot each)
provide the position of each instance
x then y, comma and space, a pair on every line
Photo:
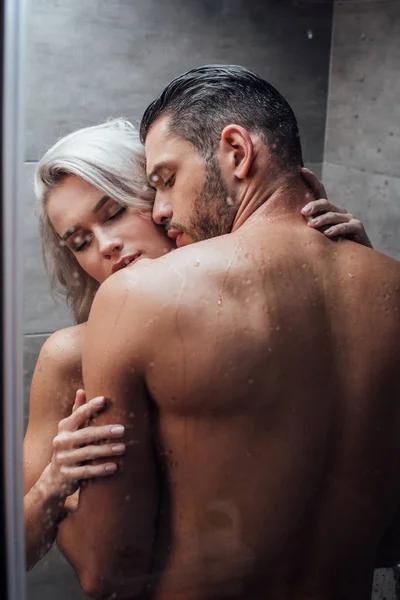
219, 302
154, 178
310, 35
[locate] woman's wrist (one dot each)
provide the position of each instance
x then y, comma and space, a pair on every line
49, 490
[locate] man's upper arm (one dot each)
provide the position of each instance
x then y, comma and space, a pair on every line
109, 540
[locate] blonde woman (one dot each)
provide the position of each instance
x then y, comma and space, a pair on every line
95, 180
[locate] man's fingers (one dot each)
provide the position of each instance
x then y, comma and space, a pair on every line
81, 415
73, 457
67, 440
316, 185
88, 471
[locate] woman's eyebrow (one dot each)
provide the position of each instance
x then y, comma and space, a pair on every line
101, 203
69, 232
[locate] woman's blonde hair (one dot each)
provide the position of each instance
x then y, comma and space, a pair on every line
108, 156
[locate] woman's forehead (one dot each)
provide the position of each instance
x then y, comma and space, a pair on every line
71, 201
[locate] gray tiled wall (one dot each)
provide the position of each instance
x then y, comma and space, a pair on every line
362, 145
87, 61
361, 166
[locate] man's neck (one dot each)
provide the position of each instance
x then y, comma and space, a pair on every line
281, 200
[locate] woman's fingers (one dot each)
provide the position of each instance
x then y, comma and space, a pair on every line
80, 399
72, 457
87, 471
82, 414
67, 440
315, 207
352, 229
315, 184
330, 218
344, 225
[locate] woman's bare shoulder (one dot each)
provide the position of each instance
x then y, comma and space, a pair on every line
63, 349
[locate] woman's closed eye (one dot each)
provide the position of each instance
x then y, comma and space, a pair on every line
83, 242
117, 213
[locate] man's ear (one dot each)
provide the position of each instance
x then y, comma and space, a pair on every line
236, 151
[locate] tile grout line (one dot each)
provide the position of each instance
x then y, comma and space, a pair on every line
361, 170
38, 334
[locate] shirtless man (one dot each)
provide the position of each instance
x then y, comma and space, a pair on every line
264, 362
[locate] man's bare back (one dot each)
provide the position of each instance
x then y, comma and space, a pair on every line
263, 365
275, 380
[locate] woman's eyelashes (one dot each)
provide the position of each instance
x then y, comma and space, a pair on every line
119, 212
83, 242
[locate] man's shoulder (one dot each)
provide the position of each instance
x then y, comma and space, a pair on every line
151, 282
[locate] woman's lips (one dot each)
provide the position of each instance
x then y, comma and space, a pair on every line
125, 262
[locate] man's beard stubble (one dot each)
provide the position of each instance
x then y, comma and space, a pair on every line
214, 209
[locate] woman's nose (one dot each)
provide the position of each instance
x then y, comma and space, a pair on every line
111, 246
162, 212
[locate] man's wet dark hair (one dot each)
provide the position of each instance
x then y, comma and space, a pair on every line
202, 101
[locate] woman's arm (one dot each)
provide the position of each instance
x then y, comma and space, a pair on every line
50, 401
53, 449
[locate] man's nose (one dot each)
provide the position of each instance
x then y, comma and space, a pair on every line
162, 212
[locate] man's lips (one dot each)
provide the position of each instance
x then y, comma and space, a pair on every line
175, 234
126, 260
